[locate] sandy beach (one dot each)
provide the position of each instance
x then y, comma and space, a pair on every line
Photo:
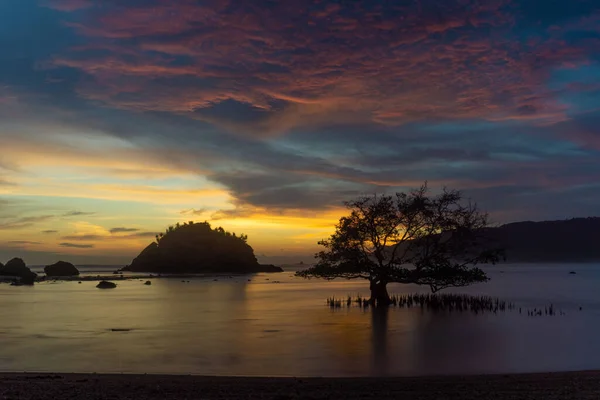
549, 386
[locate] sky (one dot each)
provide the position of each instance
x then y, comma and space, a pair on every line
119, 118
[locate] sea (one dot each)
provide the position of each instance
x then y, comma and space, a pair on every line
281, 325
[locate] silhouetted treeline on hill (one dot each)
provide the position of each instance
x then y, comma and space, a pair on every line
198, 248
573, 240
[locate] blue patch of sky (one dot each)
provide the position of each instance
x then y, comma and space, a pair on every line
584, 98
30, 34
588, 74
458, 128
553, 12
509, 140
54, 205
501, 141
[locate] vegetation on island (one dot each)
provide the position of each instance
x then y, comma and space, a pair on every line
411, 238
198, 248
203, 225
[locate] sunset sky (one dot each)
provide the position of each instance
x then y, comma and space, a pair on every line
120, 117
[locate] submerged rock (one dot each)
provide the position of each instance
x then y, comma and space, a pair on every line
148, 283
106, 285
196, 248
61, 268
17, 268
270, 268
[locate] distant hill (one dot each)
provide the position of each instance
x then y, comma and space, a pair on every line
573, 240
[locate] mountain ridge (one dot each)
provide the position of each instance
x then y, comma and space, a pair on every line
568, 240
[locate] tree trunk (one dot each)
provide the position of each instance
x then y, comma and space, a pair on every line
379, 293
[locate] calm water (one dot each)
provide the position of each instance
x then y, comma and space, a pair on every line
236, 327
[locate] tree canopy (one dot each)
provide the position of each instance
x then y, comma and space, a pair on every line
411, 238
198, 227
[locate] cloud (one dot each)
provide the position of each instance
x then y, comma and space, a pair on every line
77, 246
5, 182
77, 213
49, 231
23, 242
243, 67
238, 111
123, 230
87, 237
23, 222
141, 235
193, 211
97, 237
240, 211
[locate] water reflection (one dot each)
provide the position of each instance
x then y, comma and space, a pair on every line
233, 326
379, 340
445, 341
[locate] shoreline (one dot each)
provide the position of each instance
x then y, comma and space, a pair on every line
580, 385
126, 277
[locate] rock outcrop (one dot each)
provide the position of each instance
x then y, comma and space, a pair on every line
196, 248
270, 268
106, 285
61, 268
17, 268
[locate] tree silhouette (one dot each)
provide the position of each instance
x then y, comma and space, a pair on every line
408, 238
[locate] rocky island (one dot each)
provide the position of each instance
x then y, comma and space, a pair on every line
60, 269
17, 269
197, 248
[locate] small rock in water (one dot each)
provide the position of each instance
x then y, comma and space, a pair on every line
148, 283
106, 285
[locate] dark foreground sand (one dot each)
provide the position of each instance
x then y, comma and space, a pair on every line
575, 385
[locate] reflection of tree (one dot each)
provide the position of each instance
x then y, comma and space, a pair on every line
359, 342
379, 341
